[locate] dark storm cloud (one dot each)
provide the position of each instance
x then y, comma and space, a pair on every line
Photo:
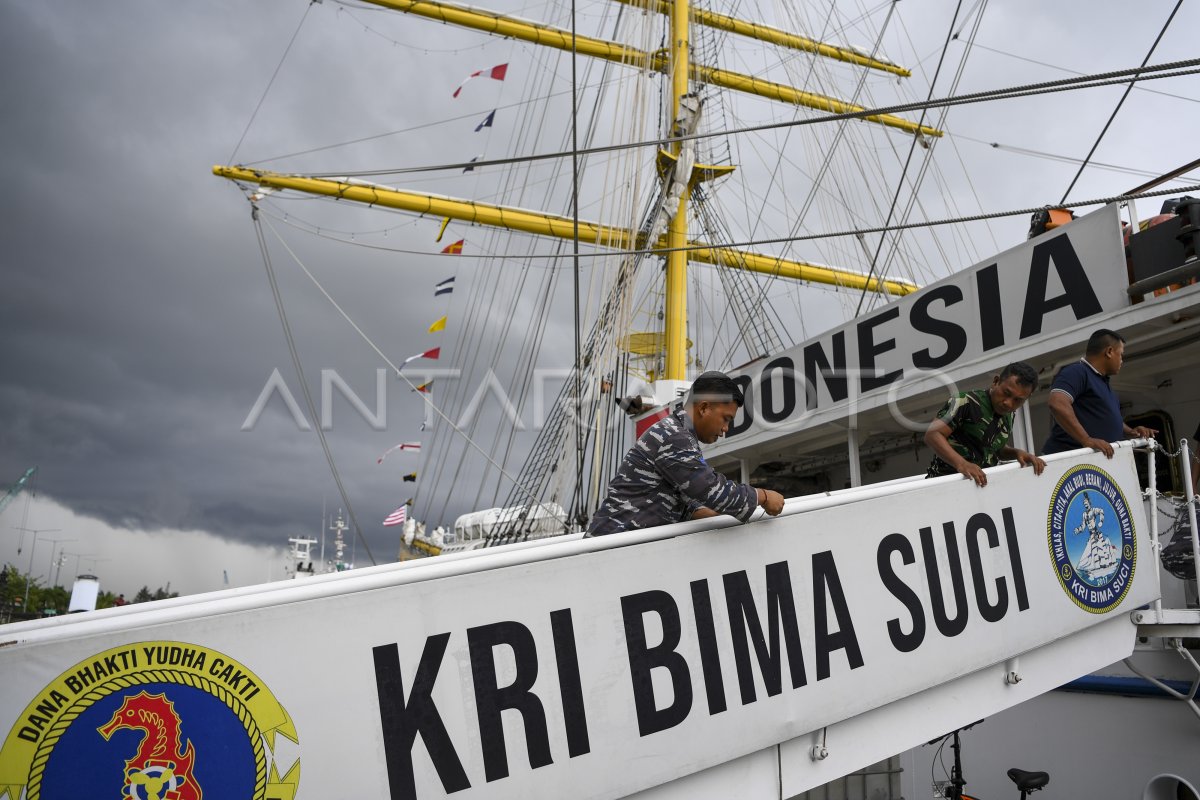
136, 319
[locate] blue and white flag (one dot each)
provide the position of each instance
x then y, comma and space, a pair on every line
487, 121
445, 287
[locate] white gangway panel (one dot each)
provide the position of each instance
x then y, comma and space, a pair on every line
680, 660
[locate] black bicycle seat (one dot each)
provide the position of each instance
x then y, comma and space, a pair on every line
1028, 781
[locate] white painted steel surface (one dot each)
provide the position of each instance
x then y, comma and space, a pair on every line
342, 655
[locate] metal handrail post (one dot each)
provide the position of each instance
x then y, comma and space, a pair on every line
1155, 545
1185, 454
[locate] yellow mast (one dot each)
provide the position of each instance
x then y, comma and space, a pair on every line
548, 36
676, 59
675, 318
765, 33
536, 222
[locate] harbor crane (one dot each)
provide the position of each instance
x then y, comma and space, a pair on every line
16, 488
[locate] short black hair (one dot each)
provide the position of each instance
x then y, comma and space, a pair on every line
716, 387
1025, 374
1103, 339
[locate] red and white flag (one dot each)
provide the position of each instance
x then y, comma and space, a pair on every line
397, 517
401, 446
430, 354
496, 73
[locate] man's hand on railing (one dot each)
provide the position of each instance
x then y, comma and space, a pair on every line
1027, 459
771, 502
972, 471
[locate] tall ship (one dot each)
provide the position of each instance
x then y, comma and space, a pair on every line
706, 211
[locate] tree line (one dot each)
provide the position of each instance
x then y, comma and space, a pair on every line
49, 601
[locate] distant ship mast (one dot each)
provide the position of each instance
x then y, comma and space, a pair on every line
304, 566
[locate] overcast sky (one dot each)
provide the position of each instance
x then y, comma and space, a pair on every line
137, 327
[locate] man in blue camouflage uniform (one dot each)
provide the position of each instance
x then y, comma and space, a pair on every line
664, 477
972, 430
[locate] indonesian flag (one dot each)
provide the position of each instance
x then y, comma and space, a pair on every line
496, 73
439, 324
454, 248
401, 446
424, 388
431, 354
397, 517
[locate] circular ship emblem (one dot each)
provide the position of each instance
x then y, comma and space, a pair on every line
153, 721
1091, 539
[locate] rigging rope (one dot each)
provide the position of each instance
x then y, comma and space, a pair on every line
1173, 69
911, 149
914, 200
1121, 102
832, 147
312, 409
1099, 201
271, 82
1076, 72
1026, 151
428, 400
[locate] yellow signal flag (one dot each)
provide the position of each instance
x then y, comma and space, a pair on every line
442, 230
438, 325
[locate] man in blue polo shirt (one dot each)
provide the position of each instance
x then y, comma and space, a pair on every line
1084, 408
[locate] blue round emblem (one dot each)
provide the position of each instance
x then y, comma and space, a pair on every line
1091, 537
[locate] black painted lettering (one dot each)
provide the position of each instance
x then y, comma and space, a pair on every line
982, 523
710, 654
787, 405
896, 543
1014, 558
403, 720
1077, 289
643, 660
745, 417
827, 590
817, 363
949, 332
868, 349
743, 617
570, 686
941, 615
491, 699
991, 319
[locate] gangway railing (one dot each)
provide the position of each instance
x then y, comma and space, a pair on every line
777, 655
1173, 625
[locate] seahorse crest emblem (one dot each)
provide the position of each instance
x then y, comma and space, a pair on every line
161, 769
157, 720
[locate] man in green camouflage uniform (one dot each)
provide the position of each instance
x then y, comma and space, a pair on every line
971, 431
